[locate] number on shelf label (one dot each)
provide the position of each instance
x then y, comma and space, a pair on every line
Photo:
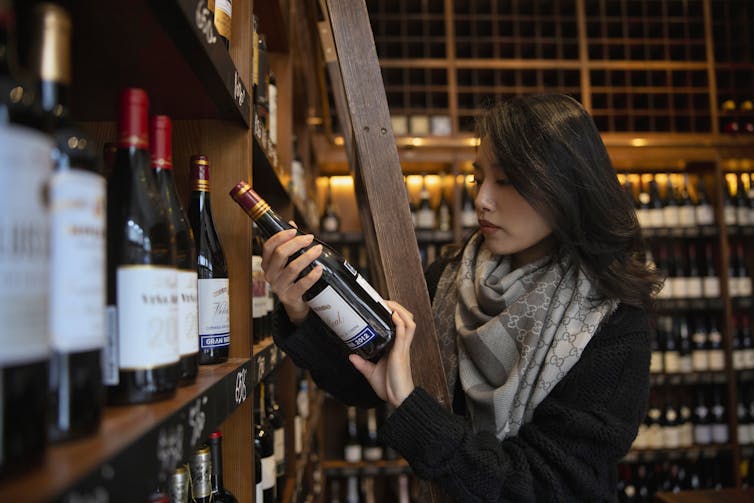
238, 90
197, 419
241, 386
204, 21
170, 447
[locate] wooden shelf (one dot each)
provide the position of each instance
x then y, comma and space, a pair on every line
168, 47
267, 356
136, 445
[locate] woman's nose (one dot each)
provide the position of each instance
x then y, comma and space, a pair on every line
483, 200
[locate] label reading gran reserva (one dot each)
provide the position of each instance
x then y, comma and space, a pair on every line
214, 313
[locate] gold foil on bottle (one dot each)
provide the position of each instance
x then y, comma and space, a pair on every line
52, 44
201, 185
259, 209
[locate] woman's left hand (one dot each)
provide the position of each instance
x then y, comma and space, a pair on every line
391, 376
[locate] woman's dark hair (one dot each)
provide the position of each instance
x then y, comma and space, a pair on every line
554, 156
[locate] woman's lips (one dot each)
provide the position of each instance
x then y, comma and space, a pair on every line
487, 226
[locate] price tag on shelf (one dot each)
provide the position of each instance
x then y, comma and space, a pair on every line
203, 19
170, 447
197, 418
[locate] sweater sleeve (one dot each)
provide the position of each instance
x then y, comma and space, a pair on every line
567, 452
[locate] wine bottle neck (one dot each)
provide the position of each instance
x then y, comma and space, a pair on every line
217, 466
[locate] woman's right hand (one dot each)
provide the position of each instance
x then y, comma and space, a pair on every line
282, 276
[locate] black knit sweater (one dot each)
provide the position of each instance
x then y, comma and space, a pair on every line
567, 452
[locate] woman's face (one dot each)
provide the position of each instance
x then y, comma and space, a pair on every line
509, 223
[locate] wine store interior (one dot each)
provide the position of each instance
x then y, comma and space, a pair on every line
139, 137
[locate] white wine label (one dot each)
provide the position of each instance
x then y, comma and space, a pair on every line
694, 287
214, 313
147, 303
188, 313
258, 288
716, 359
268, 472
25, 163
705, 215
711, 287
656, 218
699, 360
687, 216
342, 318
280, 449
369, 289
353, 453
77, 252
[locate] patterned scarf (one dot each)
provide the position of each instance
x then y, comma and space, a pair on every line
517, 332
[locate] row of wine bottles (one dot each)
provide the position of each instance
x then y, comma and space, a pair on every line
689, 271
200, 480
684, 416
684, 345
270, 451
109, 292
639, 481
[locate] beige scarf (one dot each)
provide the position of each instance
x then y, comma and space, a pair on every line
512, 335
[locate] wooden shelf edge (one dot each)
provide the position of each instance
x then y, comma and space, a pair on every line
136, 446
267, 356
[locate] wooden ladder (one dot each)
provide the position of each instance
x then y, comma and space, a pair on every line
361, 104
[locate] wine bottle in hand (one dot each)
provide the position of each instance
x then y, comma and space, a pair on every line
343, 299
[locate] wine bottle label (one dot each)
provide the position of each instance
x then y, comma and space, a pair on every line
298, 434
259, 496
685, 365
672, 362
687, 216
77, 253
643, 217
188, 314
730, 215
742, 216
655, 439
705, 215
743, 434
330, 224
373, 453
744, 286
201, 474
342, 318
279, 451
750, 435
748, 358
214, 313
268, 472
656, 218
694, 287
147, 303
370, 290
711, 287
468, 218
671, 438
716, 359
25, 158
258, 288
671, 216
640, 442
223, 16
655, 362
733, 285
702, 434
352, 453
720, 433
678, 287
738, 359
687, 434
699, 360
425, 218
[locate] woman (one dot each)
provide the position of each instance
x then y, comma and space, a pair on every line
541, 319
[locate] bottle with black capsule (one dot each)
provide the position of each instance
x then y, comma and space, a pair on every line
348, 305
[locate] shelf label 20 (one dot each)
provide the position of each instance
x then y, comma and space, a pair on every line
241, 386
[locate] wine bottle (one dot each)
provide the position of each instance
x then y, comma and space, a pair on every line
201, 475
349, 305
272, 98
264, 448
683, 338
686, 428
742, 202
699, 354
77, 240
352, 451
643, 208
743, 418
372, 449
670, 423
694, 281
656, 362
258, 487
719, 415
403, 493
411, 205
214, 295
223, 14
302, 413
444, 211
259, 312
178, 488
715, 350
710, 282
670, 210
671, 354
686, 210
705, 214
729, 208
186, 283
25, 164
277, 421
425, 215
736, 350
330, 221
219, 493
468, 212
656, 208
141, 353
352, 492
702, 416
